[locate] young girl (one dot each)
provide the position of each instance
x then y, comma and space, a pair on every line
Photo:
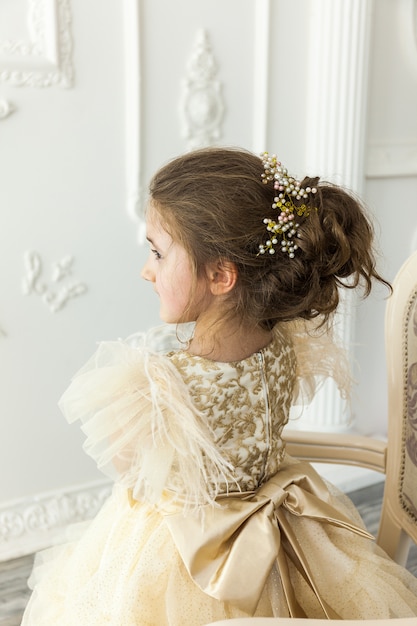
209, 518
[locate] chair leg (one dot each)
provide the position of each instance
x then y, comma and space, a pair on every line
392, 539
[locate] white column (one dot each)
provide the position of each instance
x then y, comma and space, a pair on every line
336, 99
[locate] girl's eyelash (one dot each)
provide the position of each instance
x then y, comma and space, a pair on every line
156, 253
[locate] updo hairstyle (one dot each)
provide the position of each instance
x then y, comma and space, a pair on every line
213, 203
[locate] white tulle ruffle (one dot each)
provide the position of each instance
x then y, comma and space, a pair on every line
141, 427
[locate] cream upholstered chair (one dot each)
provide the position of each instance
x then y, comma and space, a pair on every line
399, 512
397, 459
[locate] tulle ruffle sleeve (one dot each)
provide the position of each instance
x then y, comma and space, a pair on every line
319, 355
142, 429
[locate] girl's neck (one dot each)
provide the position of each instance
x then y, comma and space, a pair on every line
228, 340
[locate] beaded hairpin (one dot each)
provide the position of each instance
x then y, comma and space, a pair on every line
289, 190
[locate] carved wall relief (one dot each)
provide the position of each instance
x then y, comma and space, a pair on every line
6, 109
55, 297
44, 56
32, 524
202, 102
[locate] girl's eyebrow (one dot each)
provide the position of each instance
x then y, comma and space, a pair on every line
158, 246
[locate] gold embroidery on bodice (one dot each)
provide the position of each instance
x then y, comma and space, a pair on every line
246, 405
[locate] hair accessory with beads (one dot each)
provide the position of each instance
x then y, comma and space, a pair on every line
289, 189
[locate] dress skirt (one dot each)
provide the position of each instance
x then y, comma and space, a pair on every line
125, 569
208, 519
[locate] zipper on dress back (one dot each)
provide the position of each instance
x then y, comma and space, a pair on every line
267, 415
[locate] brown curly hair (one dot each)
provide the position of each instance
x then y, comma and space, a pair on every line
213, 202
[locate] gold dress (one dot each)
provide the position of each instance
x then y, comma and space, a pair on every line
209, 518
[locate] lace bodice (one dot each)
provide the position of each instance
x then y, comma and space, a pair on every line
246, 405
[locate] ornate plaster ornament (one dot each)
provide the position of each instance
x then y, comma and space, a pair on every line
202, 102
6, 109
55, 298
45, 57
35, 523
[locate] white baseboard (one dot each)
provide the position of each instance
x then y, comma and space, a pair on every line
34, 523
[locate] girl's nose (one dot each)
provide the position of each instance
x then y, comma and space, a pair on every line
146, 273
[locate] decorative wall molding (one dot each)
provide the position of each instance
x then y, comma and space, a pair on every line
133, 116
31, 524
6, 109
391, 160
44, 58
56, 298
202, 104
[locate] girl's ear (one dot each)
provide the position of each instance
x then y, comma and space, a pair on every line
222, 276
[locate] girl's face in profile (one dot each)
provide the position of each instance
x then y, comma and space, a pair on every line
169, 268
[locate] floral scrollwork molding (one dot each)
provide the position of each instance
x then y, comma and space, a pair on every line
36, 523
63, 287
44, 58
202, 102
6, 109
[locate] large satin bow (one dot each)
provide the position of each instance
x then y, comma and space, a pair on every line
229, 550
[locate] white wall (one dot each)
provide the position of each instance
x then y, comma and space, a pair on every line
76, 158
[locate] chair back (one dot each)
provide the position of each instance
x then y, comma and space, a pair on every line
399, 510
